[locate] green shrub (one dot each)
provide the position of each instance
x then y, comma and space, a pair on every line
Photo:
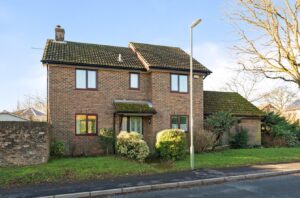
131, 145
57, 148
171, 144
107, 139
282, 132
219, 123
239, 139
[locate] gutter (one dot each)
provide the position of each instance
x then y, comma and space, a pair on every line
123, 67
92, 65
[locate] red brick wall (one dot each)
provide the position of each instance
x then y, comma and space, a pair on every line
65, 102
168, 103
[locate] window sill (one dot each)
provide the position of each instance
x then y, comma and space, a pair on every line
85, 89
177, 92
94, 134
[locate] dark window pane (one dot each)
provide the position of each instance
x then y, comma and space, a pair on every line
80, 124
92, 79
134, 81
174, 122
92, 124
81, 79
174, 82
183, 123
183, 83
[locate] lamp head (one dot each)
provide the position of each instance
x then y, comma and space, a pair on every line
195, 23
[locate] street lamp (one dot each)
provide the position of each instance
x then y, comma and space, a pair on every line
192, 151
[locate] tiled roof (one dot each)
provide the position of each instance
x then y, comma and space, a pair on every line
29, 112
86, 54
6, 116
166, 57
75, 53
131, 106
229, 101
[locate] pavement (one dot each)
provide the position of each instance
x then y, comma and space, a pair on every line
151, 182
274, 187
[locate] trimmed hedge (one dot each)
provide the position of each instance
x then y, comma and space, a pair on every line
171, 144
131, 145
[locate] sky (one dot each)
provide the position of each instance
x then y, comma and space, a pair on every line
25, 26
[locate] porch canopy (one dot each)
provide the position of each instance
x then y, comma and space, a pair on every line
134, 108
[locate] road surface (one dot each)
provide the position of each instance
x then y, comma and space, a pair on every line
273, 187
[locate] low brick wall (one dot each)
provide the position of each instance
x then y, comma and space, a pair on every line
23, 143
253, 127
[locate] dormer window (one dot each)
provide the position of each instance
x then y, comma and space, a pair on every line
179, 83
86, 79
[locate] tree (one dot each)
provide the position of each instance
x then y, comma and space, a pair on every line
279, 97
219, 123
245, 84
33, 101
269, 38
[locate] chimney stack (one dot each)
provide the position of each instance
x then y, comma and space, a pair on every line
59, 33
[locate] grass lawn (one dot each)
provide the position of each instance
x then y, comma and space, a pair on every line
87, 168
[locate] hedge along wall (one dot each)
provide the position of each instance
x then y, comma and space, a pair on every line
23, 143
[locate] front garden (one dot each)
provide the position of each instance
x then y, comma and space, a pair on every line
88, 168
134, 157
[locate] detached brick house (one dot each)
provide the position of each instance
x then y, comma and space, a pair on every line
141, 88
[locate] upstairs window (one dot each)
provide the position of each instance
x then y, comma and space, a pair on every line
86, 79
179, 83
134, 80
86, 124
179, 122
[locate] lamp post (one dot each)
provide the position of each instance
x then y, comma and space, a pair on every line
192, 151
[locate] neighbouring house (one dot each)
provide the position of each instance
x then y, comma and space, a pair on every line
32, 114
292, 112
142, 87
6, 116
268, 108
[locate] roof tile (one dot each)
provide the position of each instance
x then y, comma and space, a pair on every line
89, 54
229, 101
158, 56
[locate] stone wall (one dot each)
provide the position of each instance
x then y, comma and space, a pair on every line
23, 143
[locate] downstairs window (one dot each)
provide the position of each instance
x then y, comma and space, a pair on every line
86, 124
179, 122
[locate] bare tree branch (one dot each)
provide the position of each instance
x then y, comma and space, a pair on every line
245, 84
279, 97
269, 38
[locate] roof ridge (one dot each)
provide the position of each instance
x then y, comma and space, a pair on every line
156, 45
221, 91
86, 43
